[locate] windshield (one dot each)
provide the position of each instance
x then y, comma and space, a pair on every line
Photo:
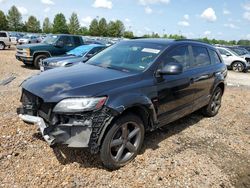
79, 51
128, 56
51, 39
26, 37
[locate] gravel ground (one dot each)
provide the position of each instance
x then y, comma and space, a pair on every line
191, 152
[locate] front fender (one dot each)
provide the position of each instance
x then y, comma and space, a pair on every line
125, 101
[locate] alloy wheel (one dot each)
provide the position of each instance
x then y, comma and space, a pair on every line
125, 142
239, 67
216, 101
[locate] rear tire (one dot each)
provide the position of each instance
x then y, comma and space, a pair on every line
214, 105
2, 46
39, 59
123, 142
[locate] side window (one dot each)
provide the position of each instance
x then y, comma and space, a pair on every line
214, 57
178, 55
201, 57
77, 41
3, 35
66, 41
95, 50
223, 52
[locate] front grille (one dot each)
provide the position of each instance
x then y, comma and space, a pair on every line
20, 51
36, 105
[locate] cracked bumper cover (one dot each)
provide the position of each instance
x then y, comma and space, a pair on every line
86, 134
73, 136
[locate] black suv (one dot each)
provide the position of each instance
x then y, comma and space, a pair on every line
109, 102
52, 45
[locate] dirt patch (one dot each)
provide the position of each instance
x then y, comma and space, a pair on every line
191, 152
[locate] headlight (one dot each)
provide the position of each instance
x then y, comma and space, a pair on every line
80, 104
57, 64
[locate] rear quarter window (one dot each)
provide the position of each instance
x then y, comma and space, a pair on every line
215, 58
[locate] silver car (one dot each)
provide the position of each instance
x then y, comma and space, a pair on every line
28, 39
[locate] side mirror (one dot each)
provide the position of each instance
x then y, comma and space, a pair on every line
171, 69
228, 54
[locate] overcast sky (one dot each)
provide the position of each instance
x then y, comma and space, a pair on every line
220, 19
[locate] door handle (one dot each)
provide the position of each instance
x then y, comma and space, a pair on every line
203, 77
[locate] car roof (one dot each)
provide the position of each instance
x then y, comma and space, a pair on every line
170, 41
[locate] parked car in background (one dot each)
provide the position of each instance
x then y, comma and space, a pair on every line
134, 86
242, 52
5, 40
28, 39
233, 60
246, 47
75, 56
15, 37
52, 45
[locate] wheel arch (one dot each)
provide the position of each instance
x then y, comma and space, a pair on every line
37, 53
144, 110
235, 61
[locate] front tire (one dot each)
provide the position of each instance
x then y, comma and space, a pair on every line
2, 46
123, 142
38, 60
238, 67
214, 105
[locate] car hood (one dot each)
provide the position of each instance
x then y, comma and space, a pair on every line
37, 45
82, 80
64, 58
246, 56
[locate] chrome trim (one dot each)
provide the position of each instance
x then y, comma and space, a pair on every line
41, 124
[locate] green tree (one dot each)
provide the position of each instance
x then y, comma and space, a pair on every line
94, 28
3, 21
60, 24
74, 24
83, 31
116, 29
14, 18
128, 34
103, 27
47, 26
33, 25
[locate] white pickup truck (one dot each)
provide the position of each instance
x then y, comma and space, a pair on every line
5, 40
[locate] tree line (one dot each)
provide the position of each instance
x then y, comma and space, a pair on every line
12, 21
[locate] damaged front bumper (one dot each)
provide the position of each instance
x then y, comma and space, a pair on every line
78, 131
41, 124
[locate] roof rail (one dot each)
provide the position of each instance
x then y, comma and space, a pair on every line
192, 40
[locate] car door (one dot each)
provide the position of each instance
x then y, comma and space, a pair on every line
204, 76
175, 92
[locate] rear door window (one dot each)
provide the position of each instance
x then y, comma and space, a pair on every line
200, 56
